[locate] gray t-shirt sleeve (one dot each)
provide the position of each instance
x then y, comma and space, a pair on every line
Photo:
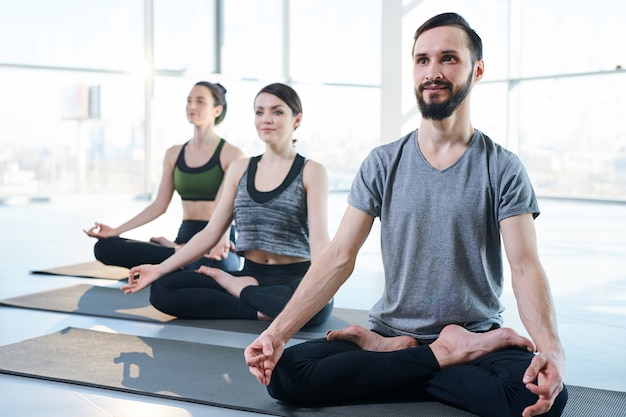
517, 195
365, 193
369, 185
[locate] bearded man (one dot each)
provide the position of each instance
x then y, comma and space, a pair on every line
447, 196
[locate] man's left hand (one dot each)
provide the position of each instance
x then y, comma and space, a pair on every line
544, 377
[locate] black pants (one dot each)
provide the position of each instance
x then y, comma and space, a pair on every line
119, 251
189, 295
321, 372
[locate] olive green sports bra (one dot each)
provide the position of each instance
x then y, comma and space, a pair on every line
199, 183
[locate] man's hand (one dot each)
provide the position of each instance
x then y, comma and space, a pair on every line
544, 377
263, 354
139, 277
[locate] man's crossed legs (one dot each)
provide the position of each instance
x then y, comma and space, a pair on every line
478, 372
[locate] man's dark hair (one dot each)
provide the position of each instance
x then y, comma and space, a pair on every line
474, 43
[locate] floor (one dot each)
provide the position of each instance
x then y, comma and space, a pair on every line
582, 244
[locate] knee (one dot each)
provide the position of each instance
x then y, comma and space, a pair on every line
159, 297
102, 250
559, 404
284, 385
525, 398
276, 387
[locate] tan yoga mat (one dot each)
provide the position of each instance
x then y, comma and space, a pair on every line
93, 269
92, 300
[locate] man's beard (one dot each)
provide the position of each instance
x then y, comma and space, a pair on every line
443, 110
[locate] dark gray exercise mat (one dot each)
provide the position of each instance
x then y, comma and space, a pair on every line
93, 269
186, 371
212, 375
109, 302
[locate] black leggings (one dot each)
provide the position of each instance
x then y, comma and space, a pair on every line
191, 295
321, 372
119, 251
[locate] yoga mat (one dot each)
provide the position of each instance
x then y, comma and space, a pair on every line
94, 269
185, 371
109, 302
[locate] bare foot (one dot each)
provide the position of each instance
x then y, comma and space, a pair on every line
162, 241
263, 317
232, 285
368, 340
456, 345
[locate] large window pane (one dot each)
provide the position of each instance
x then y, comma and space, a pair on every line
489, 111
572, 138
184, 35
72, 33
336, 41
70, 132
340, 126
253, 39
569, 36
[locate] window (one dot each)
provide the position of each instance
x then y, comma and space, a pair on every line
564, 37
106, 34
184, 36
67, 132
336, 41
253, 39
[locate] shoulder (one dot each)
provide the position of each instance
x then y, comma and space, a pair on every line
496, 153
313, 167
489, 145
174, 150
238, 167
384, 157
314, 173
171, 154
231, 152
392, 149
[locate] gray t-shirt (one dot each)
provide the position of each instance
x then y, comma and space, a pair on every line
440, 235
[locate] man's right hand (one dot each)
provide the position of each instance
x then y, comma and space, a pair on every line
263, 354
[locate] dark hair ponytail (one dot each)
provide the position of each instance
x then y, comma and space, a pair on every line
219, 96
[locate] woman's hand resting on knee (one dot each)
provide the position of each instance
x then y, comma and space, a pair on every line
140, 277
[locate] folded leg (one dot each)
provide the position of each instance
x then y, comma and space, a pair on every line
319, 371
490, 385
190, 295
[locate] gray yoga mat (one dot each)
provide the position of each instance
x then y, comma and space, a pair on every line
109, 302
212, 375
93, 269
186, 371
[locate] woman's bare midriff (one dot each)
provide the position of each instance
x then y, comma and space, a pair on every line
266, 258
198, 210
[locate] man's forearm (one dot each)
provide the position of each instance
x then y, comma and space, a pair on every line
317, 288
536, 309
